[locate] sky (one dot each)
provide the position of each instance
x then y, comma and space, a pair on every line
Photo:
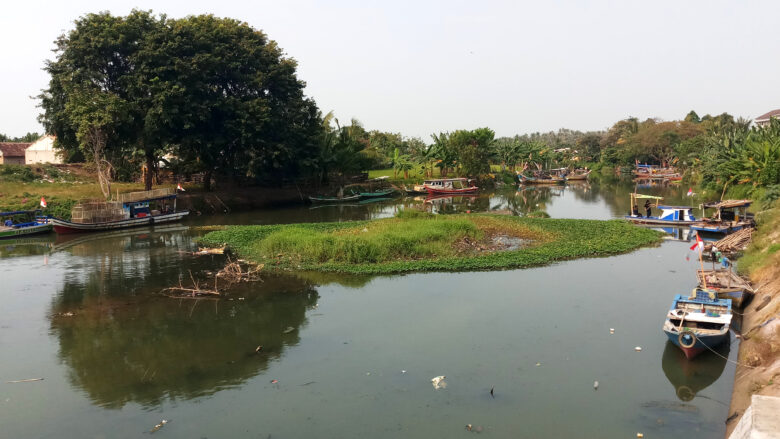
419, 67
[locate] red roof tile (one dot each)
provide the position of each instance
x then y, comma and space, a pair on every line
763, 117
13, 149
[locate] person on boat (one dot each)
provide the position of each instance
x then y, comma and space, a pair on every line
648, 209
635, 212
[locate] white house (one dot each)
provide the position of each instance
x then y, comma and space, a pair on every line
42, 151
764, 119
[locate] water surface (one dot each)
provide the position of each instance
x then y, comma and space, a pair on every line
350, 356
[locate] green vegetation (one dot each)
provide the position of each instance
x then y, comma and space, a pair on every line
762, 253
415, 241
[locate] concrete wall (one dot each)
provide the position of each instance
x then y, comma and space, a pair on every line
42, 151
760, 421
11, 160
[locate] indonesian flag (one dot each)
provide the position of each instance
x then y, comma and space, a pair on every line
690, 192
699, 244
43, 202
179, 188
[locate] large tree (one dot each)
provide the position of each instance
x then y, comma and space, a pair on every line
215, 92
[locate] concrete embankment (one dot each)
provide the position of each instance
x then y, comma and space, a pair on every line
758, 372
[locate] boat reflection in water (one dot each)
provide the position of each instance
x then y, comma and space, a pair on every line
123, 342
691, 377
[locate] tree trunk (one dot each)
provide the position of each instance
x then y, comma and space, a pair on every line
149, 177
406, 174
207, 180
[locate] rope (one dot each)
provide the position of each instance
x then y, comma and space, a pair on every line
726, 358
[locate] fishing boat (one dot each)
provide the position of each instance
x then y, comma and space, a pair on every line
449, 186
726, 284
131, 209
541, 178
378, 193
336, 199
578, 175
655, 172
699, 322
670, 215
23, 222
729, 216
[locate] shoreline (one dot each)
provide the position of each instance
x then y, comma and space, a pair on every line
758, 368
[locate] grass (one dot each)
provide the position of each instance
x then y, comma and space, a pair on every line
763, 249
422, 242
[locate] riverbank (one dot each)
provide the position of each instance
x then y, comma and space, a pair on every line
415, 241
758, 372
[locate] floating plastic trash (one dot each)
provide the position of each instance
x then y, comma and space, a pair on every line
438, 382
638, 348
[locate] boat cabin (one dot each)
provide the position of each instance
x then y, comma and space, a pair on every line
729, 216
447, 183
676, 213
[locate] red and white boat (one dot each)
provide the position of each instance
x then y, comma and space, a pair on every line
449, 186
131, 210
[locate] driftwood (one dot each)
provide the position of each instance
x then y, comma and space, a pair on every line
232, 273
194, 291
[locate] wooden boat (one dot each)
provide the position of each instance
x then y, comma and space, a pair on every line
699, 322
449, 186
132, 209
726, 284
729, 216
578, 175
378, 193
324, 199
32, 223
525, 179
656, 172
670, 215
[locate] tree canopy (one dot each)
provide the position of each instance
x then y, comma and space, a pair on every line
212, 91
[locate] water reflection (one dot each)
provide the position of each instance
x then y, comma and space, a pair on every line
691, 377
123, 342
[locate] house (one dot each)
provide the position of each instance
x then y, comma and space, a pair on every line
763, 120
12, 153
42, 151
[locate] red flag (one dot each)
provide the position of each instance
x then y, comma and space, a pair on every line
43, 202
699, 244
690, 192
179, 188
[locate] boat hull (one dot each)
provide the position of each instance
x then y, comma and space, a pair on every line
24, 231
468, 190
334, 199
716, 228
65, 227
703, 342
657, 221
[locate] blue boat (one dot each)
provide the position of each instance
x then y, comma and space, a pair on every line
23, 222
670, 215
729, 216
698, 322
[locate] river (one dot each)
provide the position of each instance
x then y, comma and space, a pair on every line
353, 357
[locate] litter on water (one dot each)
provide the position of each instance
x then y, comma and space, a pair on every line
638, 348
158, 426
595, 385
438, 382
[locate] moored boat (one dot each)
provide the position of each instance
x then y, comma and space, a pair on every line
20, 223
729, 216
449, 186
669, 215
541, 179
337, 199
578, 175
699, 322
378, 193
132, 209
727, 284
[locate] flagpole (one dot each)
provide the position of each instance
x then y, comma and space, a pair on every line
700, 246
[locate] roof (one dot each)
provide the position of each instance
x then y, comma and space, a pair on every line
13, 149
675, 207
652, 197
727, 204
767, 116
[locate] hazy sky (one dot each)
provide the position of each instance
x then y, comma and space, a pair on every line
419, 67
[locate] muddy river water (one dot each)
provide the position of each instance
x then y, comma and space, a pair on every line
353, 357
